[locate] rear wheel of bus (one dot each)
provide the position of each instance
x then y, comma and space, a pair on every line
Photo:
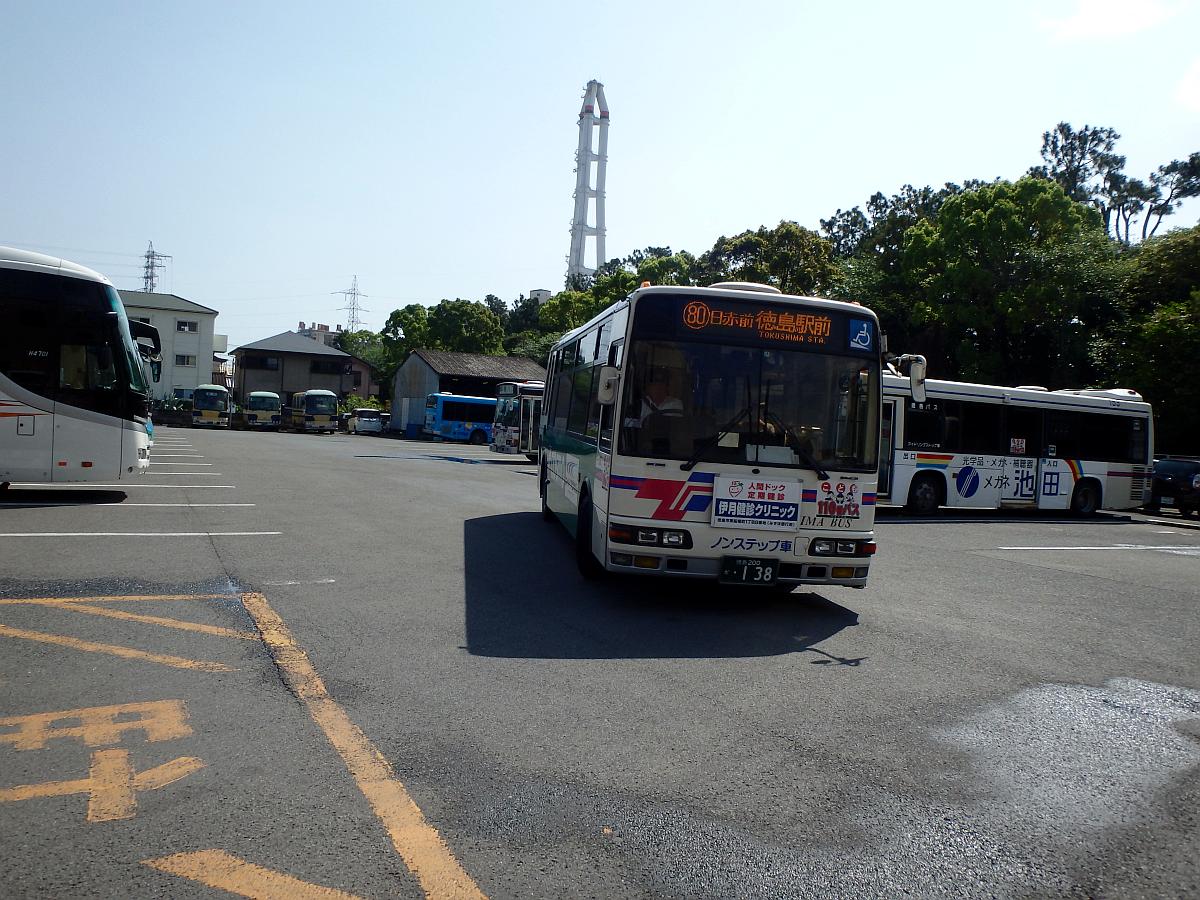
924, 495
1086, 498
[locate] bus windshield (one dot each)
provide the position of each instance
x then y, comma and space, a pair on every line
263, 404
320, 404
208, 399
776, 406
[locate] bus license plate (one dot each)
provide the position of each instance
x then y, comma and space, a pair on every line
1166, 501
749, 570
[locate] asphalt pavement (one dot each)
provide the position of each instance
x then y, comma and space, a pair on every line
310, 664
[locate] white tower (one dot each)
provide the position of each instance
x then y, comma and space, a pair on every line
593, 97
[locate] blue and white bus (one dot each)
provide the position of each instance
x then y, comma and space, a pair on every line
456, 418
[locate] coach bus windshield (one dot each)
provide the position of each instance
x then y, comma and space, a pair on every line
750, 404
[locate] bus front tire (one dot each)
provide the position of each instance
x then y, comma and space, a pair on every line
478, 437
589, 566
924, 495
1086, 499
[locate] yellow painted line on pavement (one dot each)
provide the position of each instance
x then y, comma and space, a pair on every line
175, 662
226, 872
55, 601
156, 620
415, 839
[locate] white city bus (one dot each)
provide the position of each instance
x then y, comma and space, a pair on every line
517, 425
985, 447
729, 432
74, 400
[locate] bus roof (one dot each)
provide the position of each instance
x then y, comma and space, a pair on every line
1115, 399
320, 392
752, 295
212, 387
450, 396
264, 394
12, 258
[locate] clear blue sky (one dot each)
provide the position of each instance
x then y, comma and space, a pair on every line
276, 150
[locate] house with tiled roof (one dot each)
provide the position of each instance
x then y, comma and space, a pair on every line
427, 372
289, 362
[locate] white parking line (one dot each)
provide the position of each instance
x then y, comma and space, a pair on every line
311, 581
155, 462
1113, 547
176, 456
85, 486
122, 505
62, 534
197, 474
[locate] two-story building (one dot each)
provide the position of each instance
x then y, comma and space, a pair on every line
289, 362
188, 339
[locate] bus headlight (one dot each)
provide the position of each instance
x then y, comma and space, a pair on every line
677, 538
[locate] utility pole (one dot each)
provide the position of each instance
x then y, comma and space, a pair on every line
352, 307
593, 97
152, 263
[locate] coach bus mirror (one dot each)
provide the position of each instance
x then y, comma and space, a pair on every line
609, 377
916, 378
156, 370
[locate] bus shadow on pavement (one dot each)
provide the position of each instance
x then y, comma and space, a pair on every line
18, 498
525, 599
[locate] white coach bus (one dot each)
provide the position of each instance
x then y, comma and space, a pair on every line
985, 447
74, 401
728, 433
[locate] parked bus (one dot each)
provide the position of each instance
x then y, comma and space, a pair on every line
211, 406
516, 427
984, 447
74, 398
456, 418
729, 433
262, 410
313, 411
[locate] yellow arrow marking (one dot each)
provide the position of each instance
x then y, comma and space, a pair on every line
154, 620
55, 601
226, 872
177, 662
415, 839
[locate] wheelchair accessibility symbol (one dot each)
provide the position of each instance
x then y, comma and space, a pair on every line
862, 335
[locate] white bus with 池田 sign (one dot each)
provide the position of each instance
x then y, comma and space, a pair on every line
729, 432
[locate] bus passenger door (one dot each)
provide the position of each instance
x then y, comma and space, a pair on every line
28, 357
886, 448
529, 421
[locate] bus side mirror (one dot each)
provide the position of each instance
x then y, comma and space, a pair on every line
916, 378
156, 369
609, 377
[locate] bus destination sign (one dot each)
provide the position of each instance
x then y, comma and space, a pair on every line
768, 323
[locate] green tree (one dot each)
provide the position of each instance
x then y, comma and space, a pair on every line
788, 256
1014, 274
499, 309
567, 310
524, 315
466, 327
406, 329
366, 345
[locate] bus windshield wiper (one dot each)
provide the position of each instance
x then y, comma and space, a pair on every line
797, 447
715, 439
